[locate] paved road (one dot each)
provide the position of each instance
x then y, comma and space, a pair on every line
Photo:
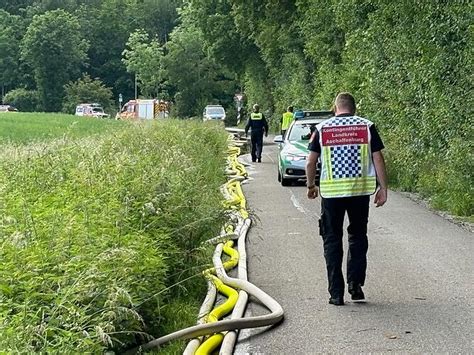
419, 285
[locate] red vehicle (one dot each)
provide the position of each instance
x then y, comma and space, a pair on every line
147, 109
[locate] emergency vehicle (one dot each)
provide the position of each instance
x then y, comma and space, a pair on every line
147, 109
91, 110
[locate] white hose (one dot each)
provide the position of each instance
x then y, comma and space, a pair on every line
205, 309
274, 317
230, 338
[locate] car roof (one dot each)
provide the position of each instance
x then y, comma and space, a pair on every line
307, 114
310, 121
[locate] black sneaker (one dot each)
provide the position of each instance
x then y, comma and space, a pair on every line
337, 301
259, 160
356, 292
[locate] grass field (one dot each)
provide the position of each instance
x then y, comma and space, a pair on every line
27, 127
99, 228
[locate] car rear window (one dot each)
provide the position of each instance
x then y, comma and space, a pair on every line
301, 132
215, 111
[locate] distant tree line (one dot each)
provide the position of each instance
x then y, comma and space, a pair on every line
48, 44
408, 63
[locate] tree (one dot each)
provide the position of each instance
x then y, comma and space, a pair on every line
107, 26
158, 17
143, 58
198, 79
14, 6
54, 49
87, 90
10, 36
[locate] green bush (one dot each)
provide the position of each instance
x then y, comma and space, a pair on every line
23, 100
95, 231
87, 90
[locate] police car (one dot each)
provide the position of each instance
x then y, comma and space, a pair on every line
293, 147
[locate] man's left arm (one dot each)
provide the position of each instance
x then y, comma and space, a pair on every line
379, 163
265, 125
311, 163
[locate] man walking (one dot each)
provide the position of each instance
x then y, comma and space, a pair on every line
286, 120
258, 126
351, 165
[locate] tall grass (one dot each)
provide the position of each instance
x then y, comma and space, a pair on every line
95, 230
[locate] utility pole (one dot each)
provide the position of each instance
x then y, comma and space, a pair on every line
136, 85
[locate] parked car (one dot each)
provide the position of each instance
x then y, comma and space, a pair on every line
7, 108
213, 112
293, 147
91, 110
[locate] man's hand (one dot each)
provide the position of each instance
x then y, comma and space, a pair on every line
311, 162
380, 197
313, 192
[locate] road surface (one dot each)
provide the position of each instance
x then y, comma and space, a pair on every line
419, 285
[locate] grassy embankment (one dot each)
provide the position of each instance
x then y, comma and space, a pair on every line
96, 225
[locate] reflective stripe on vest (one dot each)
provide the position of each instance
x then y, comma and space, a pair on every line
287, 119
347, 168
256, 116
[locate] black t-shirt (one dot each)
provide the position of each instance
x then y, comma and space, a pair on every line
376, 143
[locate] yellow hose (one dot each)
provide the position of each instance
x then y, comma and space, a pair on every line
215, 340
235, 200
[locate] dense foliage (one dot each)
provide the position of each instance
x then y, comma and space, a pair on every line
409, 64
95, 232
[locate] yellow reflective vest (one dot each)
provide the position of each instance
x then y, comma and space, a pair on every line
347, 168
256, 116
286, 120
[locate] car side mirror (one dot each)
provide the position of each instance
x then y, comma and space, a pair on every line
278, 139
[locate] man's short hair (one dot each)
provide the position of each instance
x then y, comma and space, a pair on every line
290, 108
345, 100
256, 107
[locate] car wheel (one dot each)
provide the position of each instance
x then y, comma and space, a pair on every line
285, 182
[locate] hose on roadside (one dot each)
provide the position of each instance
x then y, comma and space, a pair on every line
225, 331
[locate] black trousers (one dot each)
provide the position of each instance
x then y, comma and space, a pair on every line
256, 138
331, 229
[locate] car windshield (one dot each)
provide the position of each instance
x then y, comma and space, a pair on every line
215, 111
301, 132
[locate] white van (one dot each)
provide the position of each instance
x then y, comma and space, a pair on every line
91, 110
213, 112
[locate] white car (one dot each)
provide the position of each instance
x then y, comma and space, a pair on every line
213, 112
7, 108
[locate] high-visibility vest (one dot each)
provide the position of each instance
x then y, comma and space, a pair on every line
256, 116
347, 168
286, 121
